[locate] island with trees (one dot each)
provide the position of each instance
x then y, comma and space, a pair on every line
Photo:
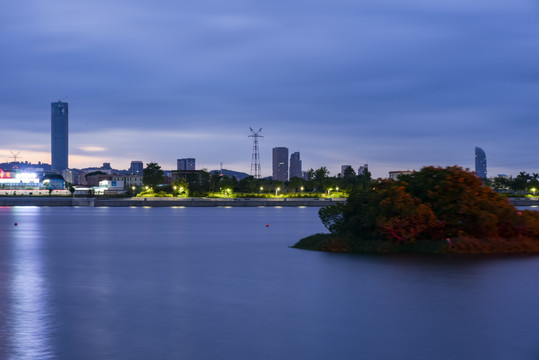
434, 210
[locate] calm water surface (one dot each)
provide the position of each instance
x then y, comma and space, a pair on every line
216, 283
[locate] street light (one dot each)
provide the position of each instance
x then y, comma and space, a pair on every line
301, 188
174, 187
277, 190
533, 189
329, 190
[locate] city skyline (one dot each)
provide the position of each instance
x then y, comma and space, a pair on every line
396, 85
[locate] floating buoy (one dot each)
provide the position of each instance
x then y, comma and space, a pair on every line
267, 225
16, 224
519, 213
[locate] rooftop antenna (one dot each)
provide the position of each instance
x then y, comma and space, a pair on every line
15, 156
255, 159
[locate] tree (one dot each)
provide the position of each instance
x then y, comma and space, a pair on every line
295, 183
349, 173
228, 183
520, 183
215, 179
321, 174
247, 185
364, 179
180, 187
431, 204
152, 175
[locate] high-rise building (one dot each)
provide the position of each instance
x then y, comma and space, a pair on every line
480, 163
137, 167
295, 165
59, 136
362, 169
186, 164
280, 163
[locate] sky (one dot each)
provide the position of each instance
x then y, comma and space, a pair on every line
395, 84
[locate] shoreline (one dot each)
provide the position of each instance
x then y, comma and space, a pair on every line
165, 202
189, 202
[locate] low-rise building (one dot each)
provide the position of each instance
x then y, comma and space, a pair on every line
394, 175
109, 187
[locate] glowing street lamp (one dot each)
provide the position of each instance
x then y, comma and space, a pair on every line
174, 192
301, 188
329, 190
277, 190
533, 189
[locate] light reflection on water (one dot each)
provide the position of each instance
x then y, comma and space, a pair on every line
29, 311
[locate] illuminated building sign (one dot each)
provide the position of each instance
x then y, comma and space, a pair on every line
5, 175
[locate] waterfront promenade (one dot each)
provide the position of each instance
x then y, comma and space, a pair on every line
163, 202
191, 202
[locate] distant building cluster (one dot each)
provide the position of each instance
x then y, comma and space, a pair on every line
283, 170
20, 175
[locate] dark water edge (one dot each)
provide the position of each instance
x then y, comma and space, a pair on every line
464, 246
217, 283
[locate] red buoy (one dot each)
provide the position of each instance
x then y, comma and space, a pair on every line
16, 224
267, 225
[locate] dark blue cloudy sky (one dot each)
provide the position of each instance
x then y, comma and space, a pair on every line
396, 84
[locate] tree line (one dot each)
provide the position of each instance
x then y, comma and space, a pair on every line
523, 182
200, 183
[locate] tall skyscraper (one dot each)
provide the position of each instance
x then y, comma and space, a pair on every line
280, 163
480, 163
295, 165
137, 167
186, 164
59, 136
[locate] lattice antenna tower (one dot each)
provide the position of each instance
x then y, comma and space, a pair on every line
255, 160
15, 156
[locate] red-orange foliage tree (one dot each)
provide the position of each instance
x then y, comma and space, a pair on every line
432, 204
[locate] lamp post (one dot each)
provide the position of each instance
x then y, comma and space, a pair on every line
133, 188
174, 192
261, 189
329, 191
301, 188
533, 189
277, 190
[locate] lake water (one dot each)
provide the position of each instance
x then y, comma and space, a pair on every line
217, 283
